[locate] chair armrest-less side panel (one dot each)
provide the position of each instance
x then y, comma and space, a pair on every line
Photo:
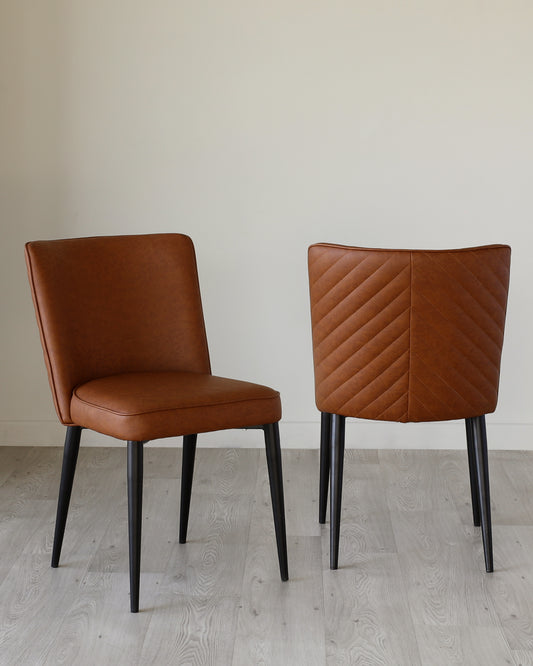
360, 319
459, 301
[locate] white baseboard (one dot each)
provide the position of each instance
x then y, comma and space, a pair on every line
299, 435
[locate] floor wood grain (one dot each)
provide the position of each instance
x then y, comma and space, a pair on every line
411, 588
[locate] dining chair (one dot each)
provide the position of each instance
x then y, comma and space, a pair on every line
407, 336
125, 346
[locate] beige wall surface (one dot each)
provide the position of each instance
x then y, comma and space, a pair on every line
258, 128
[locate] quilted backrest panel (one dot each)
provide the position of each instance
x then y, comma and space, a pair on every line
114, 304
407, 335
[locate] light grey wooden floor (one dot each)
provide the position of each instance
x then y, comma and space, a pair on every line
411, 587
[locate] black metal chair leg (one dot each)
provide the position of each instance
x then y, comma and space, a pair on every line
273, 455
187, 470
338, 424
325, 437
474, 489
135, 494
482, 470
70, 457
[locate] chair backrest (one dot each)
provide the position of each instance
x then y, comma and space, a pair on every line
408, 335
114, 304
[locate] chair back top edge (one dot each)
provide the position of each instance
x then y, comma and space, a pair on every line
407, 250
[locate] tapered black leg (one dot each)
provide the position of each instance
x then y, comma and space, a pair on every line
70, 457
482, 472
474, 489
325, 437
135, 496
338, 424
187, 470
273, 455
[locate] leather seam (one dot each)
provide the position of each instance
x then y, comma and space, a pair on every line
167, 409
47, 355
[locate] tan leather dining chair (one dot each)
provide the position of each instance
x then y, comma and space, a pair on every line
407, 335
125, 346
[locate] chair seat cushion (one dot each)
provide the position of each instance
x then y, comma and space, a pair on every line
151, 405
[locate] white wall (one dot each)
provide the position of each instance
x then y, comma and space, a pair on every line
259, 128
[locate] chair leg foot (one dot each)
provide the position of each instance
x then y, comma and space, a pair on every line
187, 471
325, 437
135, 491
482, 473
273, 455
474, 489
70, 457
338, 424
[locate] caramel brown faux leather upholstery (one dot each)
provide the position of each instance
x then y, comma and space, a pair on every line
407, 335
125, 346
152, 405
402, 335
115, 304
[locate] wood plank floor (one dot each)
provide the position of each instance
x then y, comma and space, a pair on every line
411, 587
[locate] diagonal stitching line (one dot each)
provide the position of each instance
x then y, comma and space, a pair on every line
331, 266
453, 389
436, 306
380, 416
466, 359
465, 288
330, 314
424, 406
475, 277
442, 402
382, 395
461, 332
342, 321
370, 383
371, 401
337, 285
381, 332
475, 255
375, 359
393, 404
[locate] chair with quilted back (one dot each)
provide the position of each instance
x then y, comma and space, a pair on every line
401, 335
124, 341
